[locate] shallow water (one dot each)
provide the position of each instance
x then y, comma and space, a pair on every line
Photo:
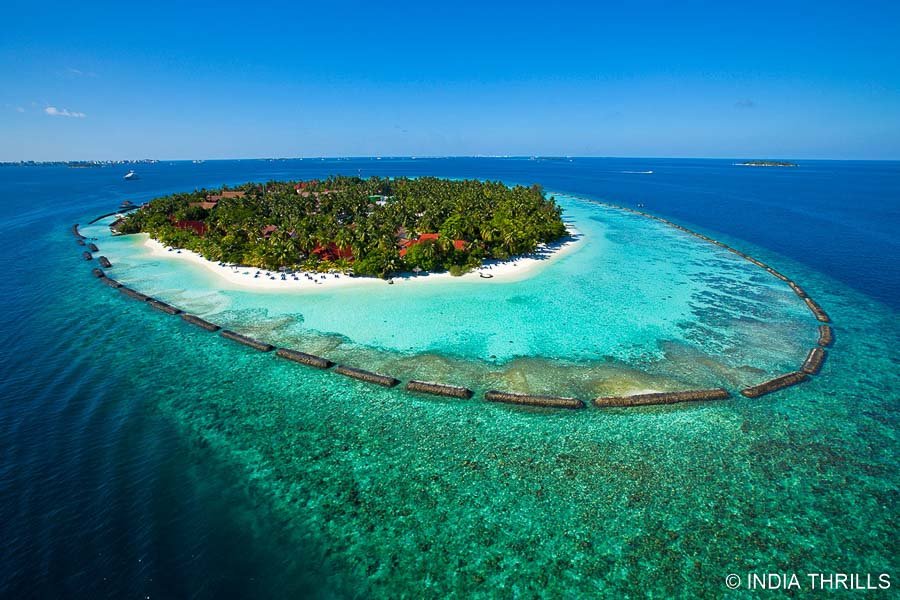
142, 455
634, 295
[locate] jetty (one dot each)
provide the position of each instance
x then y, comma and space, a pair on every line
93, 247
826, 335
87, 255
163, 306
203, 323
111, 282
247, 341
103, 216
777, 274
533, 400
778, 383
123, 209
816, 310
439, 389
104, 262
133, 294
310, 360
367, 376
97, 272
797, 289
75, 231
661, 398
813, 361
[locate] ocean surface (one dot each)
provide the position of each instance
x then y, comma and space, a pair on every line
144, 457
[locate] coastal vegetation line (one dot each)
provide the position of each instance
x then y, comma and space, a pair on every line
810, 366
373, 227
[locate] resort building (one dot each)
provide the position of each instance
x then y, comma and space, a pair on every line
198, 227
332, 252
213, 199
405, 244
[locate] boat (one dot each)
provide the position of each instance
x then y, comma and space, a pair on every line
131, 175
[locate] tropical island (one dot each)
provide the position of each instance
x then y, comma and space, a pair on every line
373, 227
767, 163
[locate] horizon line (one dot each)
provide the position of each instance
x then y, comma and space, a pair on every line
434, 157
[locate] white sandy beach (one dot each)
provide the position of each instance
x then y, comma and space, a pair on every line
516, 269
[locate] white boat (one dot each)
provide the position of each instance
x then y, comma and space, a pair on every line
131, 175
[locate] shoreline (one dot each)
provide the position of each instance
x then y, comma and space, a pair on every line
514, 269
504, 271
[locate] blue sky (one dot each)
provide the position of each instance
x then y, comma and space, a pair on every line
98, 80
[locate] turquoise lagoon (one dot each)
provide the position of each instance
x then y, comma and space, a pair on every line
143, 456
634, 305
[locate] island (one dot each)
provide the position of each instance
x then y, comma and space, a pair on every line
373, 227
79, 164
767, 163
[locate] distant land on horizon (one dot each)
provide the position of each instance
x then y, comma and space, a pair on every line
84, 163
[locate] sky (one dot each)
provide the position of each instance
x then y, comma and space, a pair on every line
97, 80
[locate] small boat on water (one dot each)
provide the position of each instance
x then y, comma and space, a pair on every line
131, 175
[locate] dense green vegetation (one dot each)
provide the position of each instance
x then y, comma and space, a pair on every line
372, 226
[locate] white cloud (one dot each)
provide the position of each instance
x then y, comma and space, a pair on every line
63, 112
72, 72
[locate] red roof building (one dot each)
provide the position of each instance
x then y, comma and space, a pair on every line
406, 244
332, 252
302, 185
205, 205
198, 227
213, 199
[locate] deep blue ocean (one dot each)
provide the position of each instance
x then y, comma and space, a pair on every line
124, 448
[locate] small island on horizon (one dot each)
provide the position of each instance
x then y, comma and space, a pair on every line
767, 163
373, 227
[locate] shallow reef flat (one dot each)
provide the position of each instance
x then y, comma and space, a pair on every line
639, 306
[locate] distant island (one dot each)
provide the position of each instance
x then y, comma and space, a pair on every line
370, 227
767, 163
79, 164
